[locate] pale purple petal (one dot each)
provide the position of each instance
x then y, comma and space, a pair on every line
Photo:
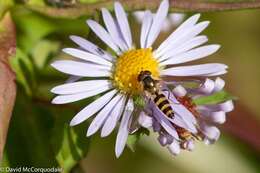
92, 108
176, 18
214, 117
69, 98
157, 22
156, 126
192, 55
179, 91
227, 106
189, 145
112, 120
123, 24
174, 148
182, 37
114, 30
165, 123
87, 56
219, 84
174, 36
211, 132
144, 120
162, 139
81, 86
183, 112
80, 69
90, 47
194, 70
103, 35
123, 128
190, 44
146, 25
102, 116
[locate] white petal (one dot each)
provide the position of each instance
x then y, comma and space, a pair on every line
80, 68
78, 87
92, 48
62, 99
103, 35
219, 84
87, 56
194, 70
102, 116
187, 25
186, 46
174, 148
113, 30
179, 91
92, 108
146, 25
123, 129
144, 120
157, 22
192, 55
112, 120
123, 24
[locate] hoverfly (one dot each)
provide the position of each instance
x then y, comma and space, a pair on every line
151, 86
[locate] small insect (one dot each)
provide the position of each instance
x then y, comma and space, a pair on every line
151, 86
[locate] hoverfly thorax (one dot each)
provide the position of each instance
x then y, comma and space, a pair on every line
149, 84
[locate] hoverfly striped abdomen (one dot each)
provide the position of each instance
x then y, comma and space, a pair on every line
150, 86
163, 104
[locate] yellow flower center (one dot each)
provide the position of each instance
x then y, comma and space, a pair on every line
129, 65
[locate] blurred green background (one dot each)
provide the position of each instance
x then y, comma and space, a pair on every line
39, 133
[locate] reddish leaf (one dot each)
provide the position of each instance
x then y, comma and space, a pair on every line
7, 77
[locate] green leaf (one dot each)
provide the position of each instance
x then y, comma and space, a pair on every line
33, 26
30, 130
133, 139
69, 144
43, 51
4, 6
36, 2
24, 70
214, 98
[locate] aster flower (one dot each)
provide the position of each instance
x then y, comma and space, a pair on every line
113, 74
207, 115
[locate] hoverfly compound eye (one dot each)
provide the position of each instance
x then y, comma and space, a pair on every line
140, 76
147, 73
